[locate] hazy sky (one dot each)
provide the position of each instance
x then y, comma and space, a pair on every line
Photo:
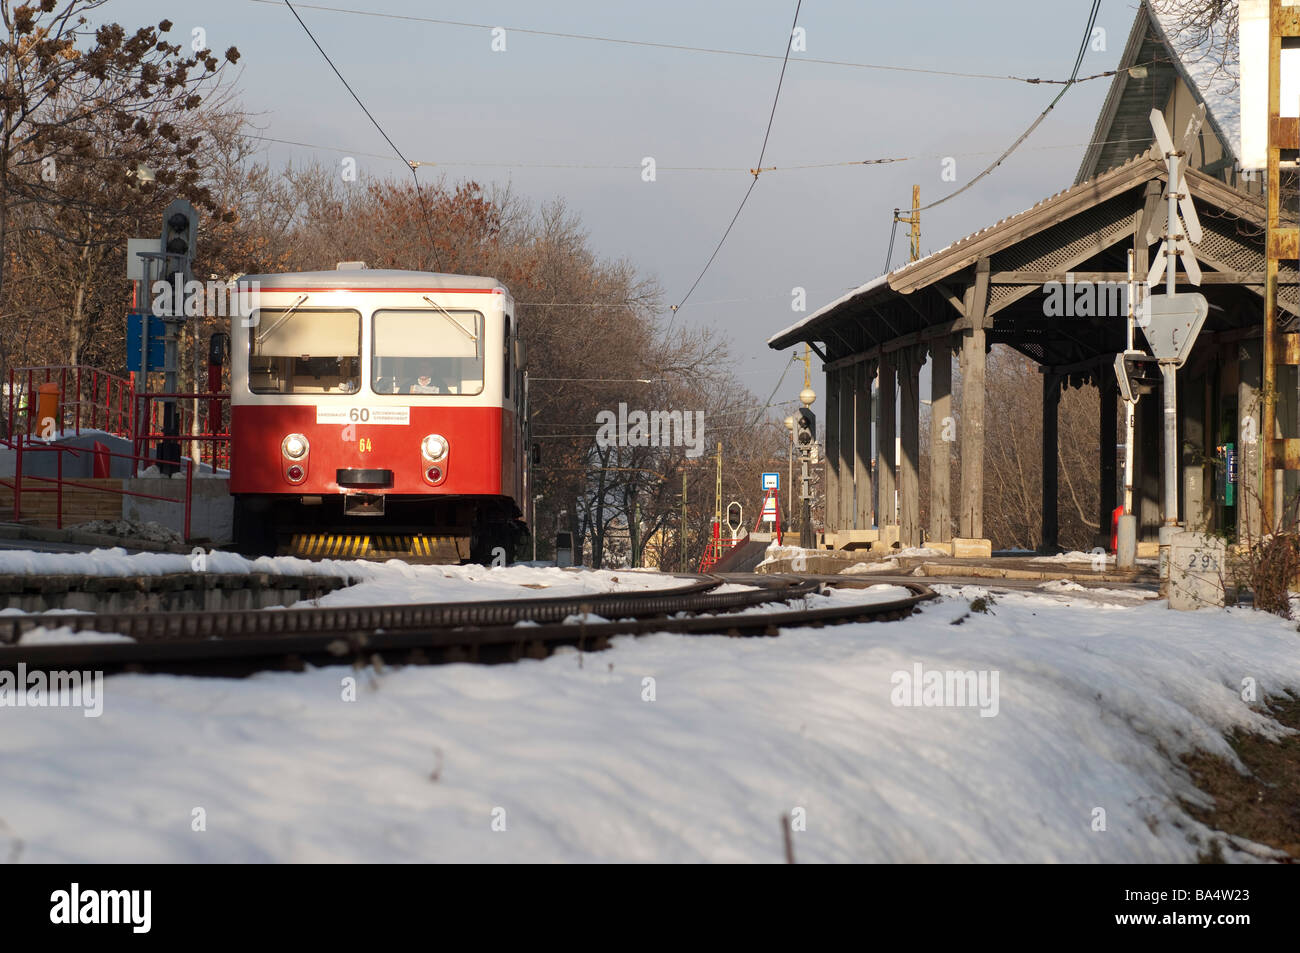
446, 97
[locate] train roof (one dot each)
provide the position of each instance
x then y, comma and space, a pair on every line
373, 278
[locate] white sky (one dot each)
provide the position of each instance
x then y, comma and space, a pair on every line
444, 96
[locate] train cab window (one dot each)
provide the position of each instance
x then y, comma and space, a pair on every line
305, 352
427, 352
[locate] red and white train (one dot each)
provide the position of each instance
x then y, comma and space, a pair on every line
379, 413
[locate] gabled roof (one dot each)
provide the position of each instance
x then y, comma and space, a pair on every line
965, 251
1026, 234
1161, 42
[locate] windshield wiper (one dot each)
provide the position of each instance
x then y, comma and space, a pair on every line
263, 335
459, 327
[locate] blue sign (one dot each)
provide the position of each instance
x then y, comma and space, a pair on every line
156, 331
771, 481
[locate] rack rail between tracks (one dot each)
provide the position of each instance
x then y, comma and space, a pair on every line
239, 643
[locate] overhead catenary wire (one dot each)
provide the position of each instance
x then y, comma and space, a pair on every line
591, 37
757, 170
1074, 73
433, 245
613, 166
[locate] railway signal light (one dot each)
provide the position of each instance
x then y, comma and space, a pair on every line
806, 427
1137, 373
180, 228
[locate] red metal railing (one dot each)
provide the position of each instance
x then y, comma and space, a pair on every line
718, 547
25, 446
213, 417
98, 401
88, 397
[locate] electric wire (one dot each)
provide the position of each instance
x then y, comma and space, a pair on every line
433, 247
758, 168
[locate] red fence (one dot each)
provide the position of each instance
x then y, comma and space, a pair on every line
22, 483
204, 424
88, 397
94, 400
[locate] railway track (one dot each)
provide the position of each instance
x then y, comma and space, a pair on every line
241, 643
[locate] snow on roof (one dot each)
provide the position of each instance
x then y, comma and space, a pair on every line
1209, 60
871, 285
371, 278
883, 280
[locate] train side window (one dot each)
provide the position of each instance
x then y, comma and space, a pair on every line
506, 375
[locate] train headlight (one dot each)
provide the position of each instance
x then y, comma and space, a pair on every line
295, 446
434, 447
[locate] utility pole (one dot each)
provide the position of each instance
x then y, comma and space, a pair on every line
683, 532
180, 226
915, 221
789, 477
636, 534
1281, 242
806, 426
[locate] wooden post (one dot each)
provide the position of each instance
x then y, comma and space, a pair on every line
885, 450
1107, 462
1051, 454
942, 434
848, 433
1250, 443
971, 514
832, 465
862, 484
909, 476
1148, 488
1192, 451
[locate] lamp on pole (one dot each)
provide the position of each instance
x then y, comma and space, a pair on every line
536, 499
789, 481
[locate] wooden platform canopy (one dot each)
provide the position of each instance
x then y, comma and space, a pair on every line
995, 287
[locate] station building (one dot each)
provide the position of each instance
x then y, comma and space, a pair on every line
1014, 282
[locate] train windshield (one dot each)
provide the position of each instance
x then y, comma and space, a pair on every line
428, 352
304, 352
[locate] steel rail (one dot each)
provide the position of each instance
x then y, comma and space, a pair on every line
414, 644
344, 620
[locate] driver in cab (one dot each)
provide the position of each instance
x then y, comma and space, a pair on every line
423, 385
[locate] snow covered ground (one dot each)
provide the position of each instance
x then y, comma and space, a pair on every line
675, 748
390, 582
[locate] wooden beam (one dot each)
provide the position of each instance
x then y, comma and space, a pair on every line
885, 451
909, 466
1119, 277
951, 298
971, 512
848, 435
1050, 537
833, 475
941, 437
1249, 445
862, 486
977, 313
1051, 212
933, 333
1107, 456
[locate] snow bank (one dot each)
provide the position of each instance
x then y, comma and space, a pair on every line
1093, 706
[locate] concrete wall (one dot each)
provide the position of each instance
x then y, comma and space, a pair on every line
212, 513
